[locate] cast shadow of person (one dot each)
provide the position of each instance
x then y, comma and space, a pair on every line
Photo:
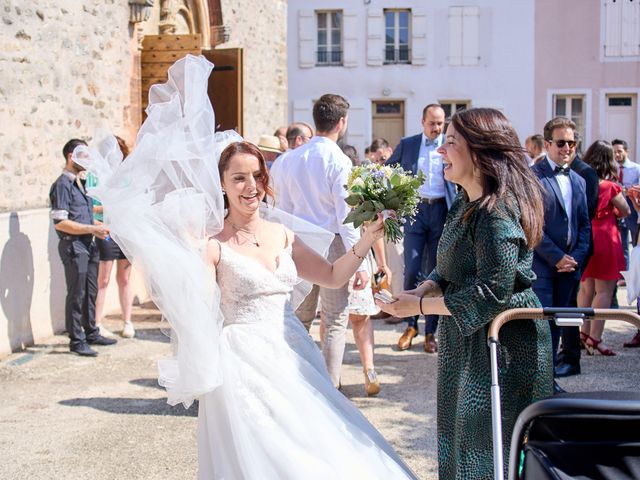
57, 285
16, 285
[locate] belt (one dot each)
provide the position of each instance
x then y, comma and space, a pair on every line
83, 238
432, 201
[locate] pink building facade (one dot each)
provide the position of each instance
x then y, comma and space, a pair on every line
587, 67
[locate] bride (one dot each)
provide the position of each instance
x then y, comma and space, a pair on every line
277, 414
227, 279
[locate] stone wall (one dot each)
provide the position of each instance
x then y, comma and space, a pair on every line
260, 28
65, 69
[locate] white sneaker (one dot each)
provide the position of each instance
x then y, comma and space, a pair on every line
128, 331
104, 332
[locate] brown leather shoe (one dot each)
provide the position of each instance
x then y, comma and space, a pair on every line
393, 320
635, 341
430, 343
405, 339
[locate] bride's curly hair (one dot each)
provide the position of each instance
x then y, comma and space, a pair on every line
497, 154
249, 149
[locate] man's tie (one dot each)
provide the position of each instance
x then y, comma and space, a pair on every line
561, 170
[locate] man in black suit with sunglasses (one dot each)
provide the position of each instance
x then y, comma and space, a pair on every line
558, 259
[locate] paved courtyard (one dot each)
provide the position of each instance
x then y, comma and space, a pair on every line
63, 416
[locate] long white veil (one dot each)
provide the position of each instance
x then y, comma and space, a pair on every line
162, 204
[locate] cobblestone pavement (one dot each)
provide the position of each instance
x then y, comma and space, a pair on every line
63, 416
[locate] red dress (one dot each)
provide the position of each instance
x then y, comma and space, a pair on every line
607, 260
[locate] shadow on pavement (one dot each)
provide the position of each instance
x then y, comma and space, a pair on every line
147, 382
132, 406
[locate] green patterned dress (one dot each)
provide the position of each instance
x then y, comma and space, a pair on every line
484, 268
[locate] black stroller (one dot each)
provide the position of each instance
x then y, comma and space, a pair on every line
572, 435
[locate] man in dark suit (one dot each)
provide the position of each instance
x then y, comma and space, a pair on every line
419, 153
567, 229
569, 355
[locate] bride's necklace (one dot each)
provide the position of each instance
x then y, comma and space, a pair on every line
244, 230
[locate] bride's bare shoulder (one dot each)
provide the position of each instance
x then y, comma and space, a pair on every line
212, 251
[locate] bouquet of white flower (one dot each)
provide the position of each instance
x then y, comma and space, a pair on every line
375, 188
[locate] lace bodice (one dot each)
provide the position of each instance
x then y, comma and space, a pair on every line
249, 291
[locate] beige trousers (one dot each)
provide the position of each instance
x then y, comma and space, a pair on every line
334, 305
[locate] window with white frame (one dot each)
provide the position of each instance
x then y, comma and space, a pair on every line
573, 108
464, 36
621, 28
397, 35
452, 106
329, 37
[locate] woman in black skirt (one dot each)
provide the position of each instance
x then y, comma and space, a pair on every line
110, 252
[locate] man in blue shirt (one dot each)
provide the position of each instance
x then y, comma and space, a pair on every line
419, 153
72, 214
628, 176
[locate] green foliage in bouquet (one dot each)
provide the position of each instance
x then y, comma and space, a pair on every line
376, 188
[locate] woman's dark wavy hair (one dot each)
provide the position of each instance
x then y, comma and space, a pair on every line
497, 154
599, 156
250, 149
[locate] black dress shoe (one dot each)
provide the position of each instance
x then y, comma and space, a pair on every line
100, 340
83, 350
566, 370
557, 389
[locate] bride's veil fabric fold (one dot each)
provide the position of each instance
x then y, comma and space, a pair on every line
162, 204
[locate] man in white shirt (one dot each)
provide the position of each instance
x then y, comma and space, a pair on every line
309, 183
628, 176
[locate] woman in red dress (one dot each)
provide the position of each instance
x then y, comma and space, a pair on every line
603, 270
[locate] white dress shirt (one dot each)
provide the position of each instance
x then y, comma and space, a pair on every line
430, 163
564, 182
309, 182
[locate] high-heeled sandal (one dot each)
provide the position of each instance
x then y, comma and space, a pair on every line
371, 383
595, 345
583, 340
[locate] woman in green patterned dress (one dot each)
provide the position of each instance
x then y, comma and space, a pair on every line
483, 268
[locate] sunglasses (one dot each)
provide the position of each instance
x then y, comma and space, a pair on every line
562, 143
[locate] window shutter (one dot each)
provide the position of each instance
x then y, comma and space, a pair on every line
612, 25
630, 44
306, 38
350, 38
375, 36
418, 37
455, 35
470, 35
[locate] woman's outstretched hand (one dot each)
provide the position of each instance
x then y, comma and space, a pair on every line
404, 305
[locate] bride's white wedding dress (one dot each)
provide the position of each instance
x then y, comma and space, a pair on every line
276, 414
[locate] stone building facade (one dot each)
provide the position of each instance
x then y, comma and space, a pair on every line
68, 67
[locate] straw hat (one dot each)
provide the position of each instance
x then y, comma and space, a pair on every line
269, 143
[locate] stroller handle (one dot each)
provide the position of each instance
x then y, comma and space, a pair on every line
551, 313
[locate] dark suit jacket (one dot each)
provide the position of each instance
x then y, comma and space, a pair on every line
555, 233
406, 154
592, 185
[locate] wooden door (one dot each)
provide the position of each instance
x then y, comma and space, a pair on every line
388, 121
159, 52
621, 121
226, 87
